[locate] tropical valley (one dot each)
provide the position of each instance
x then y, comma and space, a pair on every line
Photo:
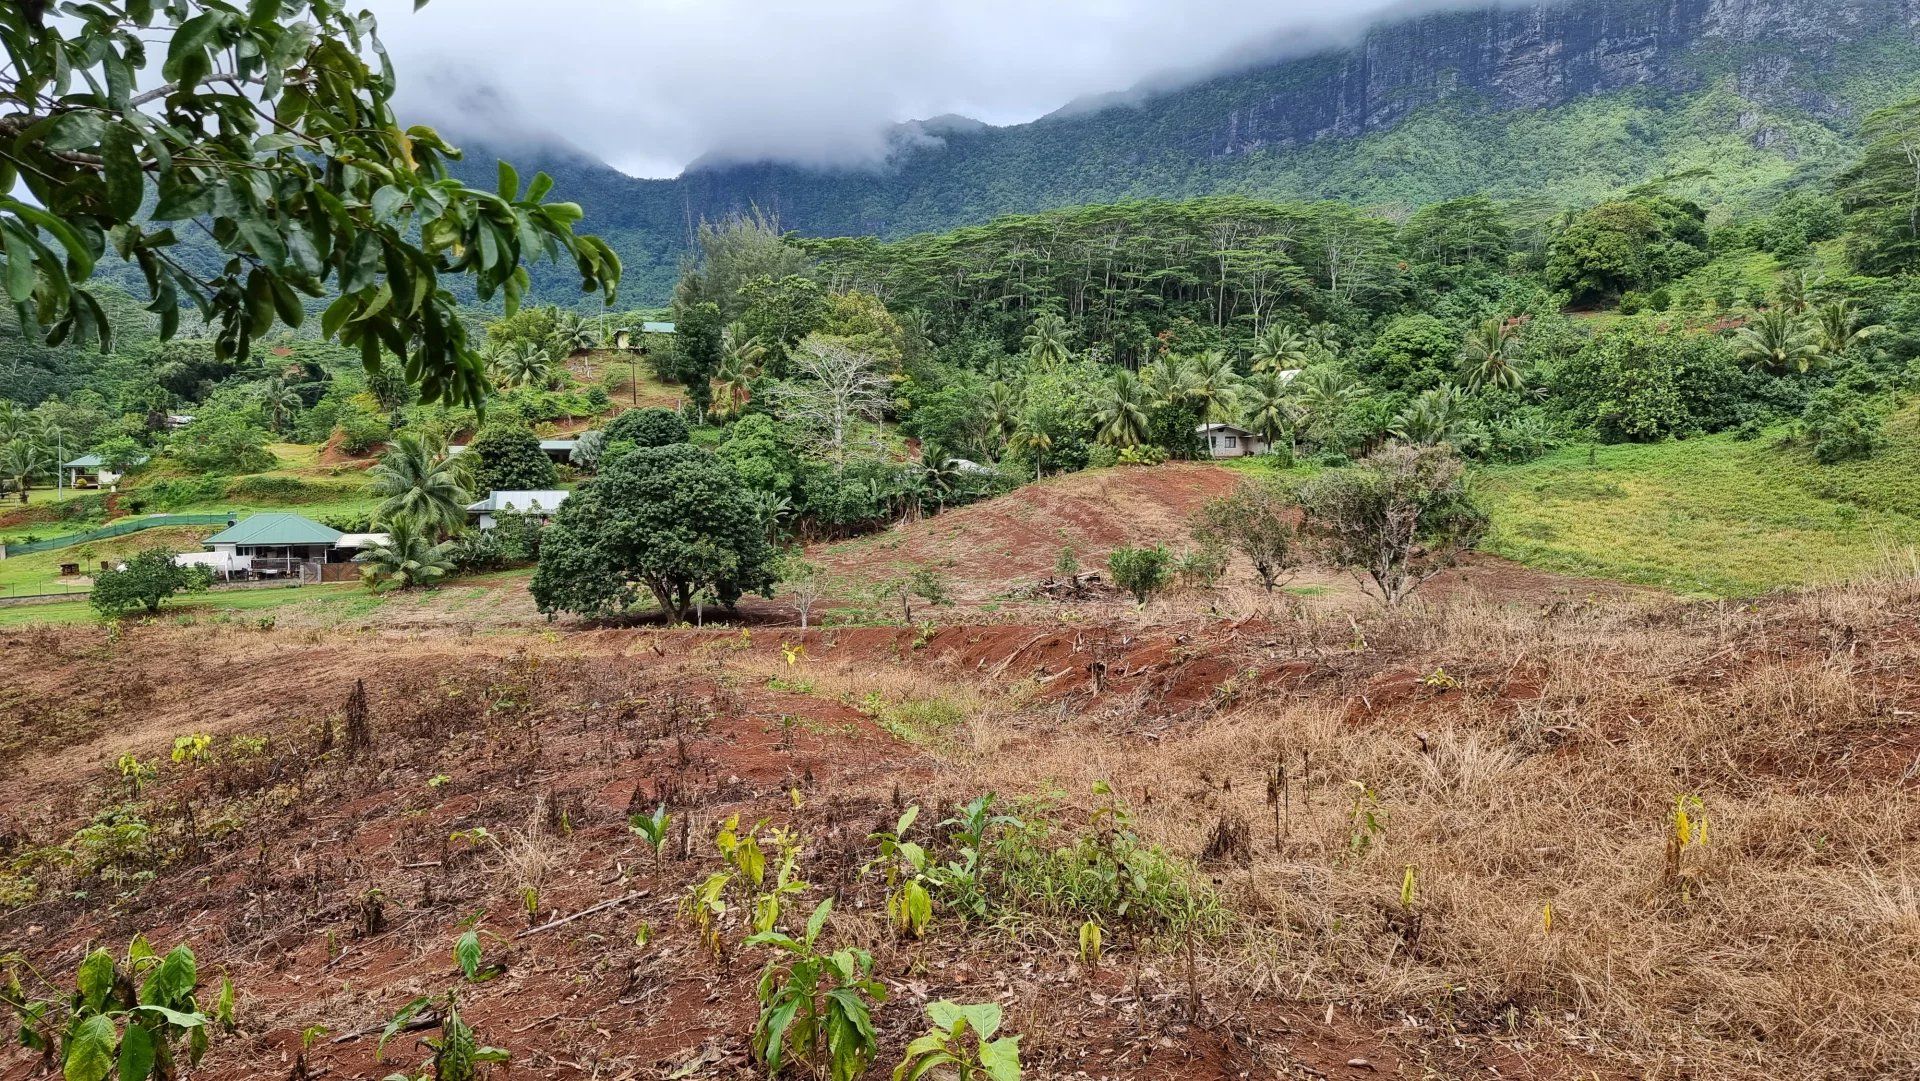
1391, 556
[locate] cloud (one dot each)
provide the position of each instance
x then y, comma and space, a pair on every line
651, 86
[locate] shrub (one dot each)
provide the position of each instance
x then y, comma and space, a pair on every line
361, 432
1140, 571
129, 1017
1144, 454
145, 581
1398, 517
222, 443
1842, 425
1256, 521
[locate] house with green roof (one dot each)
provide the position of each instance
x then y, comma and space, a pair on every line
90, 470
279, 545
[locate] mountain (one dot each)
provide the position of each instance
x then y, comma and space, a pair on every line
1565, 101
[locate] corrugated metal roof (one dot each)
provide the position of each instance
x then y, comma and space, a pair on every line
277, 528
558, 444
540, 500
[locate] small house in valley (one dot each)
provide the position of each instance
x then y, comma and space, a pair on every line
282, 546
540, 503
91, 471
1231, 441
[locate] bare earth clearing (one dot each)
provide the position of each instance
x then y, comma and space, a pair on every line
1518, 740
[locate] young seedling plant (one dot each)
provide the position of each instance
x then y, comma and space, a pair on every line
652, 828
904, 864
816, 1009
961, 1046
131, 1018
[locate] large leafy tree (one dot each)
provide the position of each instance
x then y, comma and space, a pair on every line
509, 458
673, 521
145, 581
268, 126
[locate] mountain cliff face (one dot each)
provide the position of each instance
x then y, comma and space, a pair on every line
1566, 100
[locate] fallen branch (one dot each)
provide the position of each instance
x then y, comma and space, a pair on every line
602, 906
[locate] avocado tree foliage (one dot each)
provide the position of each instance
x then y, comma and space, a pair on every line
268, 126
672, 520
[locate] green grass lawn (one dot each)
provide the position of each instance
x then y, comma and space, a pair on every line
343, 596
1711, 517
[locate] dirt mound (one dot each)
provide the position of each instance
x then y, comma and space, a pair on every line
332, 453
990, 548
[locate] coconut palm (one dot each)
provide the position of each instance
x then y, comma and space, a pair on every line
1036, 444
23, 461
1324, 394
1777, 341
1122, 415
1323, 340
1491, 355
741, 362
1837, 328
523, 365
279, 402
1280, 348
407, 559
1168, 381
1213, 385
1267, 408
1431, 418
574, 334
419, 485
1046, 340
1003, 412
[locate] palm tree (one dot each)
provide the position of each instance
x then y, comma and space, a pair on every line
1003, 407
1046, 340
1777, 341
1491, 355
1280, 348
22, 461
408, 558
523, 364
1837, 327
1429, 419
741, 362
1267, 408
1123, 415
1212, 384
1323, 339
279, 401
1036, 444
420, 486
1325, 393
574, 334
1168, 381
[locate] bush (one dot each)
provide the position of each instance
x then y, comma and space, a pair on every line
1144, 454
1398, 517
1842, 425
361, 432
1140, 571
225, 443
145, 581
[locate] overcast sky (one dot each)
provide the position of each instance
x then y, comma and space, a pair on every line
652, 85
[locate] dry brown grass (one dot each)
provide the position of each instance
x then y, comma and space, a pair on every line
1549, 777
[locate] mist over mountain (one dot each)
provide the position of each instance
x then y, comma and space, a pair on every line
1553, 101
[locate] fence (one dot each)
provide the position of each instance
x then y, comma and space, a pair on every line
115, 529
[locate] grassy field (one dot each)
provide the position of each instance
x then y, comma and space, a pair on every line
1711, 517
204, 606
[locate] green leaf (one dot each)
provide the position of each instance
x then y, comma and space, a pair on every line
137, 1053
173, 981
125, 182
77, 130
187, 52
818, 921
95, 979
509, 186
182, 197
263, 238
177, 1018
90, 1045
466, 954
1001, 1059
399, 1022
